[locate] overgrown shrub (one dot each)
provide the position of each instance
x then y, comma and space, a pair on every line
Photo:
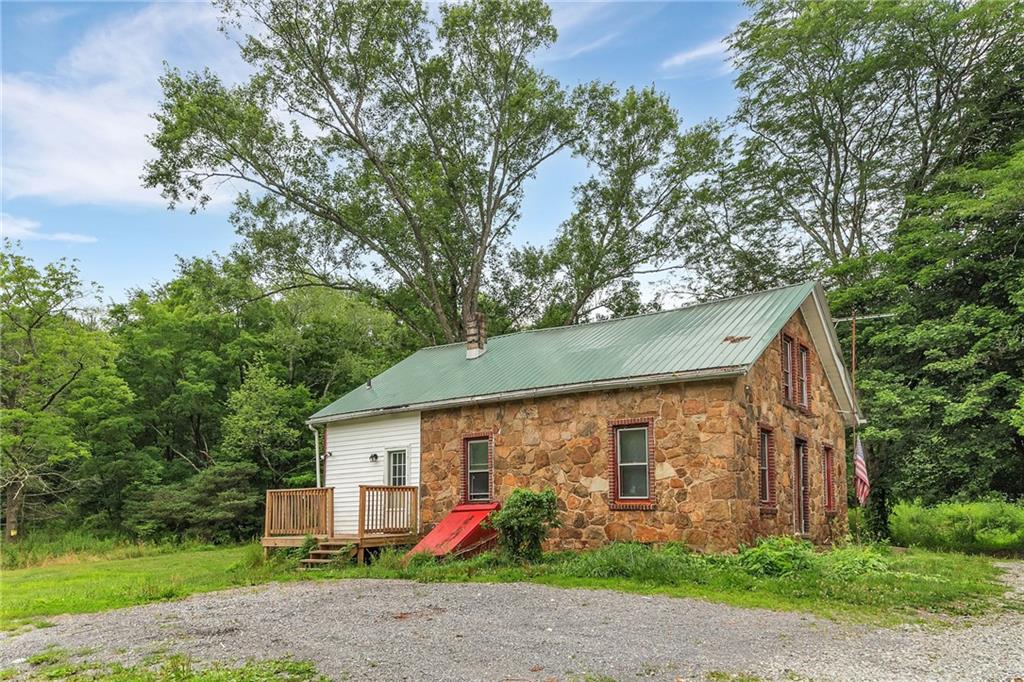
993, 527
855, 560
778, 556
523, 522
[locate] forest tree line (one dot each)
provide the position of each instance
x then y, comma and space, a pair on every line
383, 155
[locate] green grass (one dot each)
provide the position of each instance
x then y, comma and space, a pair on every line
31, 594
868, 584
987, 527
851, 584
55, 663
50, 546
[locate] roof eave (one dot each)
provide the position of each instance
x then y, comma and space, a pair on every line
602, 385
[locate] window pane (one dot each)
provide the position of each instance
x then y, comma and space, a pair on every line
477, 454
633, 481
632, 446
479, 485
764, 485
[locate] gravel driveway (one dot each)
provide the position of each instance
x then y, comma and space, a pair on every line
396, 630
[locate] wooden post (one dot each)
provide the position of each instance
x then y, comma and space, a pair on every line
330, 512
266, 517
362, 513
415, 514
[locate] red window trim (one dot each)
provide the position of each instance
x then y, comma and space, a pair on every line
787, 390
772, 504
464, 473
802, 494
829, 478
804, 373
632, 503
799, 375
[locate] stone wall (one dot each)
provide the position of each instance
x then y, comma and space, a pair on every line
705, 472
820, 426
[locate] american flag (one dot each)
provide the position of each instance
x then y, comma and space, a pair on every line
862, 486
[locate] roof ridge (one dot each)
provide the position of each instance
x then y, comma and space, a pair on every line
695, 304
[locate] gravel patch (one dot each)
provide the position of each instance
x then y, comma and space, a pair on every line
398, 630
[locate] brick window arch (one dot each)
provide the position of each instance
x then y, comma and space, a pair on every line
631, 464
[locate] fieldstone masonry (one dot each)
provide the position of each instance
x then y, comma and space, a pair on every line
704, 450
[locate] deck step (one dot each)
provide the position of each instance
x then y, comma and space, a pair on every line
329, 553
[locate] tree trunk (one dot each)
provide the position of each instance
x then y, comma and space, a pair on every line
15, 500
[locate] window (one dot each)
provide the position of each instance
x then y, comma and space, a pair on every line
396, 467
802, 507
633, 468
478, 469
830, 490
787, 369
766, 468
803, 376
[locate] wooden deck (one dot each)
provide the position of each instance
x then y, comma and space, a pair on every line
388, 516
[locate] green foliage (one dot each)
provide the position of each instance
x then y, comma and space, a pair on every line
977, 527
941, 379
779, 556
48, 546
60, 664
524, 520
670, 565
877, 112
61, 400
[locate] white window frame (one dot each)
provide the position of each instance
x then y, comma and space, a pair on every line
390, 476
646, 464
479, 497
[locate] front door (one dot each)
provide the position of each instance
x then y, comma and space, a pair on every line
397, 512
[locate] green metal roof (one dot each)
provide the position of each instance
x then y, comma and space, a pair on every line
690, 341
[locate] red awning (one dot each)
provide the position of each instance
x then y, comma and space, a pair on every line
460, 532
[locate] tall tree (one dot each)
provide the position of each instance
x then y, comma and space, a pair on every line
849, 106
59, 387
941, 380
388, 152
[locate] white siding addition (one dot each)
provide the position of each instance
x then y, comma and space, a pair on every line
350, 446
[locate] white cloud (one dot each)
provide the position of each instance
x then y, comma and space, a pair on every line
79, 134
46, 16
25, 229
588, 26
713, 49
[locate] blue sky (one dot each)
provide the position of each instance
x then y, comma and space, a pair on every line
80, 83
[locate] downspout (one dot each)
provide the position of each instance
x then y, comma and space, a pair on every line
316, 449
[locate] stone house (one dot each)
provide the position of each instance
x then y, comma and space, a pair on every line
712, 424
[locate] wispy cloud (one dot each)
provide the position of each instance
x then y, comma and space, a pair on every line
79, 134
585, 27
713, 49
25, 229
705, 53
47, 16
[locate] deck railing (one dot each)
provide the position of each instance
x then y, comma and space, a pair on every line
300, 511
388, 510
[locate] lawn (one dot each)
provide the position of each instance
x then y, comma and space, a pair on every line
862, 584
32, 594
